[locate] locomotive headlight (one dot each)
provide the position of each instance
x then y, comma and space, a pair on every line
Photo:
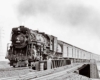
18, 29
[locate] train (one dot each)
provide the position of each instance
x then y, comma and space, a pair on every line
29, 46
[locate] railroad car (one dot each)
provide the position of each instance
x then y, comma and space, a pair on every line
31, 45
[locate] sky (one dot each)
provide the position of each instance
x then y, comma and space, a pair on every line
76, 22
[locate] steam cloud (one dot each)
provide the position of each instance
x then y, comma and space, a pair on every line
73, 14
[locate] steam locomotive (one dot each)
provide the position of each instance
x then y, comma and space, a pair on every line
31, 45
28, 46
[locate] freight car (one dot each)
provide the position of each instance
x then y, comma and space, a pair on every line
31, 45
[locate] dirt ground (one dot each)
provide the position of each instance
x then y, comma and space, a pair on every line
4, 64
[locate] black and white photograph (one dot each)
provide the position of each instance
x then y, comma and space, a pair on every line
49, 39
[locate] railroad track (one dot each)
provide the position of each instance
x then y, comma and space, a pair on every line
43, 75
63, 75
60, 75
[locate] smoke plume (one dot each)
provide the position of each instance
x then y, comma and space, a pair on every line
73, 14
77, 16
